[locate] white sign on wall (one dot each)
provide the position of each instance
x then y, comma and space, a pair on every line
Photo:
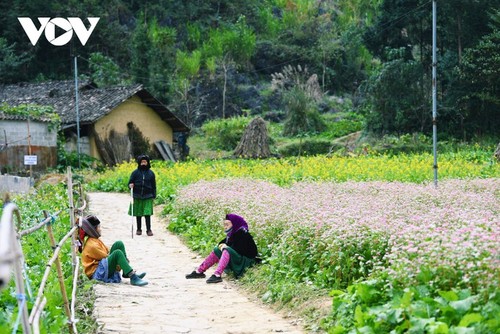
30, 160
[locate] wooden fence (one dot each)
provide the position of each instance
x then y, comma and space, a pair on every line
12, 259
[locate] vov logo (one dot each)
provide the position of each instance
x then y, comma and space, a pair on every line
49, 26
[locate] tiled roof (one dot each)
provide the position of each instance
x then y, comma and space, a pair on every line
10, 117
93, 102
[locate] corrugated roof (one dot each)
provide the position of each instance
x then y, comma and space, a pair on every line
93, 102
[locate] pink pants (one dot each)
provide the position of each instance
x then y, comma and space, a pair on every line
213, 259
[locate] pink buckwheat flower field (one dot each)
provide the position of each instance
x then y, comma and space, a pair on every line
336, 235
454, 228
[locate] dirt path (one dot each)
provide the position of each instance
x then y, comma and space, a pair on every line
170, 303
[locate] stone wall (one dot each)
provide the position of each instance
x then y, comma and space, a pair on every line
15, 184
14, 145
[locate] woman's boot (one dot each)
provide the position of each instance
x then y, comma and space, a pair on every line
137, 281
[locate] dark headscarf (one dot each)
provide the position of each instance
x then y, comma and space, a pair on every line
238, 224
88, 228
143, 157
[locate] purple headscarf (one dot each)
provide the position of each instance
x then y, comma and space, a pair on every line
238, 224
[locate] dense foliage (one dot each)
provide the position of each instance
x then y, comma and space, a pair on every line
214, 59
37, 253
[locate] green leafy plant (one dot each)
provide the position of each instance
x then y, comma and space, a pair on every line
225, 134
300, 93
37, 253
305, 147
372, 306
35, 112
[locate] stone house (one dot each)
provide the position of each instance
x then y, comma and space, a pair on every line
115, 123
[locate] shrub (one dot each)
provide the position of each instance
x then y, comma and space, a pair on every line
303, 117
306, 147
225, 134
71, 159
342, 124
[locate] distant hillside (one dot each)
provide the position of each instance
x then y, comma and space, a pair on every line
216, 59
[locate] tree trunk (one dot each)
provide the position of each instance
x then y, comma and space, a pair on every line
255, 141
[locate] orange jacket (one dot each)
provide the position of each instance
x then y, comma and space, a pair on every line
94, 251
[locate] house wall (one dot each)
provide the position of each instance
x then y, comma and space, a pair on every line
71, 144
153, 128
43, 144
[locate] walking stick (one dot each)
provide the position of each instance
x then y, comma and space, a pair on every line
132, 211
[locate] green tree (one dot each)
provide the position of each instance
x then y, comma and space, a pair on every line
479, 73
227, 49
187, 69
402, 39
398, 103
161, 61
10, 62
140, 53
104, 71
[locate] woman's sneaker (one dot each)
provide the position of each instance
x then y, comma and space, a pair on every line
194, 274
214, 279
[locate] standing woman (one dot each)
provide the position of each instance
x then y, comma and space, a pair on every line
143, 182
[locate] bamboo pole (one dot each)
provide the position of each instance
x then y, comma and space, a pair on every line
75, 258
71, 211
73, 295
11, 252
59, 270
47, 272
36, 320
7, 254
13, 255
38, 226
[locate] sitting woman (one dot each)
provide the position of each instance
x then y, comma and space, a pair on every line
237, 251
100, 262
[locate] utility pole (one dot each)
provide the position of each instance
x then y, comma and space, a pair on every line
434, 92
29, 151
77, 114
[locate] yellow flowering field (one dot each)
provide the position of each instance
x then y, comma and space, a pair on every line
284, 172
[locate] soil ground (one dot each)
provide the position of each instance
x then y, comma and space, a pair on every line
170, 303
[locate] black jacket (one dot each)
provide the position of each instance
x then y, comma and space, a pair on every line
144, 183
242, 242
